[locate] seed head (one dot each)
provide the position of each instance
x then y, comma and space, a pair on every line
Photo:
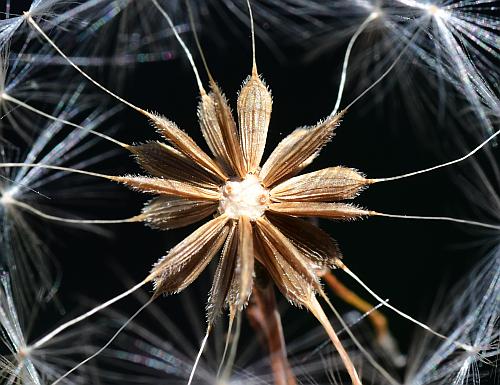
255, 205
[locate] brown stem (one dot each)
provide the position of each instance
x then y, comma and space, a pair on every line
264, 317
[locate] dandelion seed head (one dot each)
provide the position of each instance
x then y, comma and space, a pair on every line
434, 11
244, 198
472, 317
24, 352
7, 196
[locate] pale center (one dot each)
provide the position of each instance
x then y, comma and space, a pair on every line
244, 198
435, 11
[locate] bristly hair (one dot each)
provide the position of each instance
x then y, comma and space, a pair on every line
470, 313
451, 44
24, 364
28, 193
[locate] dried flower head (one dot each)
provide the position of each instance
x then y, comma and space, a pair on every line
256, 208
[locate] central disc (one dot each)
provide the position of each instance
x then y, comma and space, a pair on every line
244, 198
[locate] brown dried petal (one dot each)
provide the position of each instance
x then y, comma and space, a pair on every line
168, 187
241, 286
310, 240
212, 133
288, 280
329, 184
185, 262
165, 212
223, 276
319, 209
164, 161
284, 148
305, 267
185, 144
296, 150
254, 112
219, 129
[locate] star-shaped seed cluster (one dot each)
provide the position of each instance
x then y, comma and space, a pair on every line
255, 211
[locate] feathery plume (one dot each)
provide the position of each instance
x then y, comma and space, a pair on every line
30, 194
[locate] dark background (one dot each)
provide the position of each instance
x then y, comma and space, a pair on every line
406, 261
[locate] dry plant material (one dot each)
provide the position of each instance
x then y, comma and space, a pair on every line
265, 319
254, 208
